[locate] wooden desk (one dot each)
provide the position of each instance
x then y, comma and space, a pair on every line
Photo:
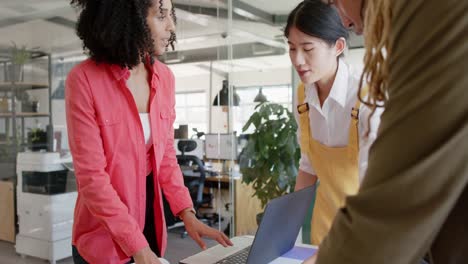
223, 179
246, 207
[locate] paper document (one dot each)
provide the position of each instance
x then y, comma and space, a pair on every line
296, 255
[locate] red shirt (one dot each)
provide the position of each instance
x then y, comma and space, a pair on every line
110, 159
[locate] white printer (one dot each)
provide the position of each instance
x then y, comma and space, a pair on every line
46, 196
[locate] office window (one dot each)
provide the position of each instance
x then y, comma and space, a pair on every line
280, 94
192, 110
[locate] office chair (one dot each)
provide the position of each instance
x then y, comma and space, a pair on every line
194, 172
194, 169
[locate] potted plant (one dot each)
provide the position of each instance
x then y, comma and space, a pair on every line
19, 56
37, 139
270, 160
23, 96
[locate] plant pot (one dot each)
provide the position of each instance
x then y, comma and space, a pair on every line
14, 73
259, 218
37, 140
35, 106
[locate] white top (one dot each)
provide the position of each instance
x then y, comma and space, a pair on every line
145, 123
330, 123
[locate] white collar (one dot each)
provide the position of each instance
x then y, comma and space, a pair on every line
340, 89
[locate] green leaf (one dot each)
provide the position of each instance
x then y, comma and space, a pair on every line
272, 152
247, 125
256, 119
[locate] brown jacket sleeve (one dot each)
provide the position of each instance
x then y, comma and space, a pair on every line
418, 166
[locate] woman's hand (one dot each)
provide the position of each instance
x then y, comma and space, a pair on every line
311, 260
146, 256
196, 230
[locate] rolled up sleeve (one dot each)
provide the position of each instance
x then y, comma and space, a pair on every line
170, 175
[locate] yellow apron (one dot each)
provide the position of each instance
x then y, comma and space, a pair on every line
336, 169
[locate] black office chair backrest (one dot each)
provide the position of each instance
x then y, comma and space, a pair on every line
186, 146
191, 160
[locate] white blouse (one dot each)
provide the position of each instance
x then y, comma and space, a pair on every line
145, 123
330, 123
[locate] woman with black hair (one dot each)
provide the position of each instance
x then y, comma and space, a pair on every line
120, 113
335, 130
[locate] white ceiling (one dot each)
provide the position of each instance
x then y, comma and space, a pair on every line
25, 24
49, 25
23, 21
275, 7
248, 64
30, 9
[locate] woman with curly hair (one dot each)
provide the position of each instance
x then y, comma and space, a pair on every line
120, 113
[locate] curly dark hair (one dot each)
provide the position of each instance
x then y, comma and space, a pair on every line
115, 31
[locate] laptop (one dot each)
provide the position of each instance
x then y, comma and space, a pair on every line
275, 236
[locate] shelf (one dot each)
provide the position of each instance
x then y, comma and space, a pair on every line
10, 145
4, 142
24, 114
5, 54
6, 86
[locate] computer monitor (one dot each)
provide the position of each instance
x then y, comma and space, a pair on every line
61, 139
221, 146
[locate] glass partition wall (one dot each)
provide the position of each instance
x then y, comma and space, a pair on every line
262, 78
251, 74
228, 60
205, 104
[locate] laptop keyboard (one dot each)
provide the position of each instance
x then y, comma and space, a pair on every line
239, 257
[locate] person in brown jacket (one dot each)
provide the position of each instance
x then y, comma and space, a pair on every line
414, 198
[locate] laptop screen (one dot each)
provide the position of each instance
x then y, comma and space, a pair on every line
280, 225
